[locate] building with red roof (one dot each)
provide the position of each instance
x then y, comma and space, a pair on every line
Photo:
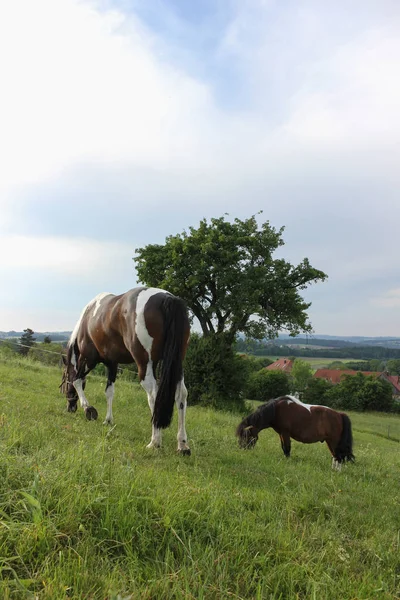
281, 364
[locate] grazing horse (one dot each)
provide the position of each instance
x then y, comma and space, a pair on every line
146, 325
306, 423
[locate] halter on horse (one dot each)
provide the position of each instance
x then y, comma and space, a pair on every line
145, 325
305, 423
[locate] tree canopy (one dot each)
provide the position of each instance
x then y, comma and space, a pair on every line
226, 273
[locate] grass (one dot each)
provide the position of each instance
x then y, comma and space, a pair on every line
87, 512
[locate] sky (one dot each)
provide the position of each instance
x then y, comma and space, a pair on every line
125, 121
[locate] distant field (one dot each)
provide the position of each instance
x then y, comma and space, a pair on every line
87, 512
319, 363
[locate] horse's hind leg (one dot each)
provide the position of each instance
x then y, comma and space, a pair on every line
181, 402
110, 388
149, 384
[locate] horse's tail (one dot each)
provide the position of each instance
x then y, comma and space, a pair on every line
344, 449
176, 323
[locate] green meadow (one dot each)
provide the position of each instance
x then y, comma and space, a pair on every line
87, 512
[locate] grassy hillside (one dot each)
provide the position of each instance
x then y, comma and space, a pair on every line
89, 512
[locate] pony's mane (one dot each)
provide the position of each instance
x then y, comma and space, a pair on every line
260, 418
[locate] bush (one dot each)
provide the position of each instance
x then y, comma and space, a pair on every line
265, 385
317, 392
300, 376
361, 393
214, 374
47, 354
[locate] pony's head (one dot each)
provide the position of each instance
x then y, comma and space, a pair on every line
248, 436
66, 386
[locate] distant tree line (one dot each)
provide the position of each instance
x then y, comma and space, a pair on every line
357, 352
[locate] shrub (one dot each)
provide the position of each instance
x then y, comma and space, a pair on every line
214, 374
264, 385
317, 392
361, 393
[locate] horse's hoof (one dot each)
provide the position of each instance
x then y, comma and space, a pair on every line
91, 413
152, 445
107, 422
184, 451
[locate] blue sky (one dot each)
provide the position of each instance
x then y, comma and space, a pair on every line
125, 121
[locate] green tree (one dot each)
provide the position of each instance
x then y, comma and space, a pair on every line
226, 273
375, 364
376, 395
317, 392
301, 375
265, 385
337, 364
47, 339
393, 366
26, 341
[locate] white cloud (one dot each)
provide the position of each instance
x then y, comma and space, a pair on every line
64, 256
81, 84
318, 136
389, 299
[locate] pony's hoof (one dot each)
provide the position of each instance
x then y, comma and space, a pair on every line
107, 422
91, 413
184, 451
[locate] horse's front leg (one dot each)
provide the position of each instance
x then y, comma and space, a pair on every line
149, 384
110, 388
79, 384
90, 411
181, 403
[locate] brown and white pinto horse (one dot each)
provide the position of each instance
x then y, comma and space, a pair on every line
306, 423
145, 325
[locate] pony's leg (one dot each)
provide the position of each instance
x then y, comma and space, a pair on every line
149, 384
286, 444
336, 465
181, 403
110, 387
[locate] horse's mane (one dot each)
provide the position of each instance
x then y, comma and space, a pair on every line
260, 418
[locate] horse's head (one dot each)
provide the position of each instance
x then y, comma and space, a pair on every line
248, 436
66, 386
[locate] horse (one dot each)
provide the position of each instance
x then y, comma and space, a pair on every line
147, 325
306, 423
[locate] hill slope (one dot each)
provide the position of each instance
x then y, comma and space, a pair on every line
89, 512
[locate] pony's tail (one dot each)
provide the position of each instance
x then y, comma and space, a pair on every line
175, 319
344, 449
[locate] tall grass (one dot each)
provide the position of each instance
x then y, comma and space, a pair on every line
88, 512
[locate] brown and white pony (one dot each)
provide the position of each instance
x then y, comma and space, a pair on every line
147, 325
306, 423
